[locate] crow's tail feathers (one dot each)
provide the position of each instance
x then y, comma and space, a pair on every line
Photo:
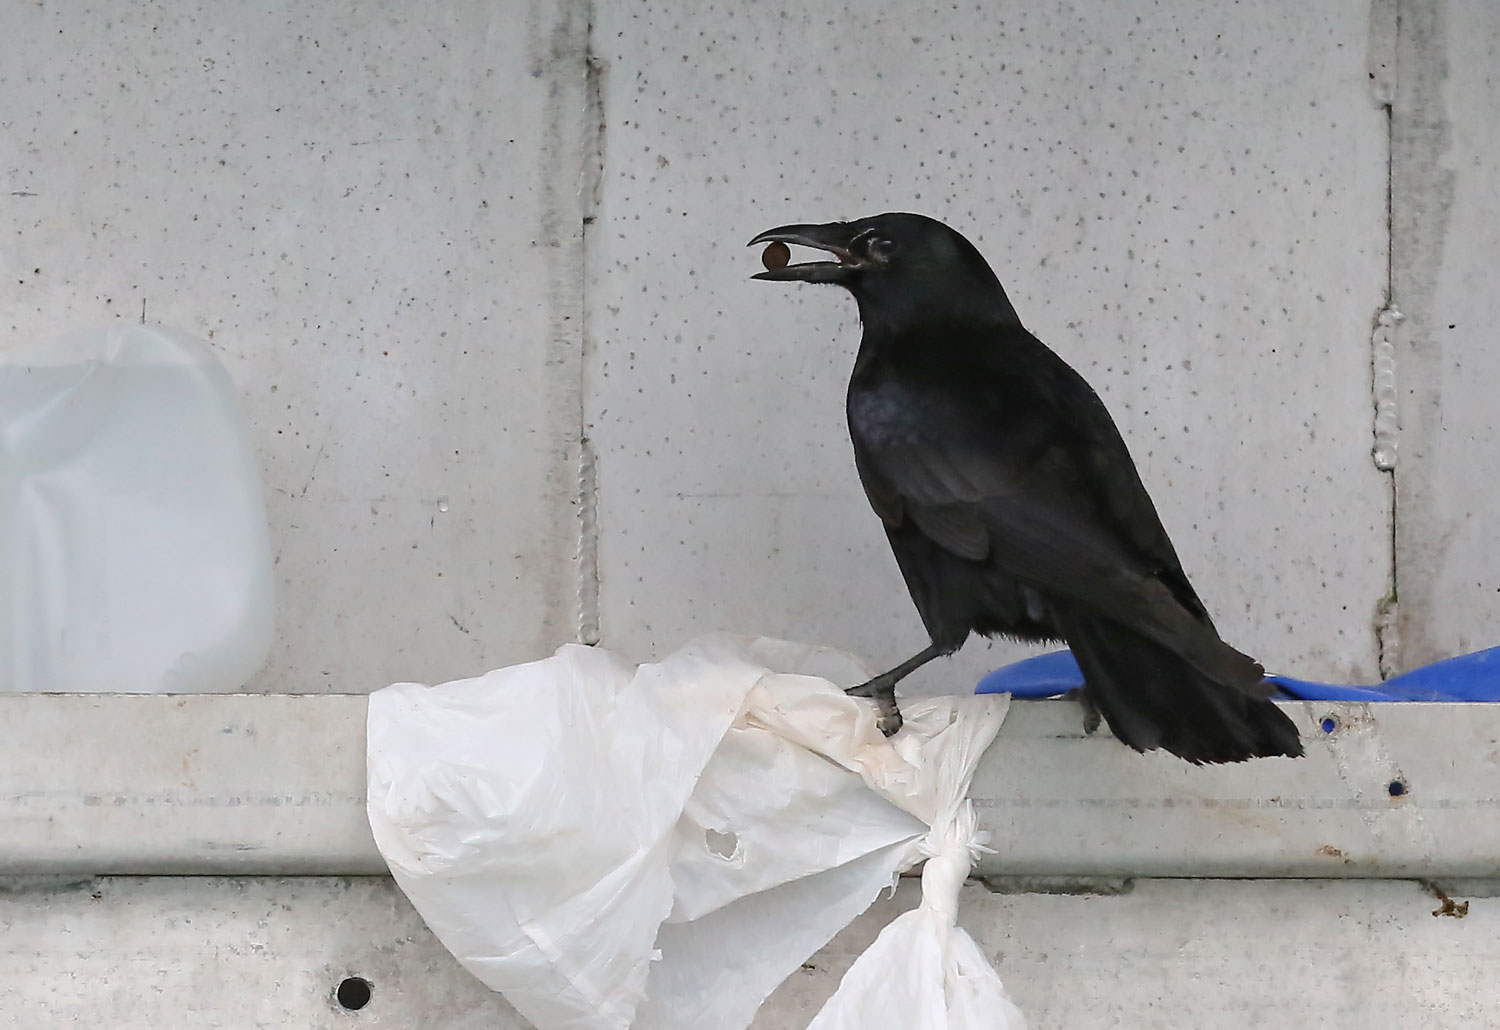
1152, 698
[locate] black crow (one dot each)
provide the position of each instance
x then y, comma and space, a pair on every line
1010, 500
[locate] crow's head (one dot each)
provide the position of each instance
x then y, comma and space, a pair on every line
902, 268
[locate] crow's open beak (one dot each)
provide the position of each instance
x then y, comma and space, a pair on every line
833, 237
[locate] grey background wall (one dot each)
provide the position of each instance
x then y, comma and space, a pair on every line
478, 269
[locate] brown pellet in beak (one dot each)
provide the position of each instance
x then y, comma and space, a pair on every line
775, 256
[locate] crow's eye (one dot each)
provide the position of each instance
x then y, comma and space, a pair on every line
881, 250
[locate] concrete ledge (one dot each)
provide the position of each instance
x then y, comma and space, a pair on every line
159, 784
1385, 790
273, 784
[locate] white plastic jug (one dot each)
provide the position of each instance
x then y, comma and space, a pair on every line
134, 551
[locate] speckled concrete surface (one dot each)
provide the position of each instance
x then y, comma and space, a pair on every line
369, 212
1235, 955
437, 248
381, 221
1186, 203
1446, 209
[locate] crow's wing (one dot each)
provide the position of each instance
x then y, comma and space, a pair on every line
1023, 468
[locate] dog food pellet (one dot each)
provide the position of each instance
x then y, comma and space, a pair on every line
776, 256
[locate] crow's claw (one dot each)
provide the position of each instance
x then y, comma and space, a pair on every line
884, 695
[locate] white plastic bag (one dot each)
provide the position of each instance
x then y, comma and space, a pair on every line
924, 971
134, 553
660, 847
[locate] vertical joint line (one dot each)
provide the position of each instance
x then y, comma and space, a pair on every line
590, 178
588, 543
1384, 450
1384, 73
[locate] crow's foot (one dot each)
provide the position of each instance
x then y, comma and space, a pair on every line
884, 694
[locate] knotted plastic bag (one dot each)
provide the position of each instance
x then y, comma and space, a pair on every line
659, 847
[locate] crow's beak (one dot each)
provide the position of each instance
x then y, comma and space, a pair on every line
833, 237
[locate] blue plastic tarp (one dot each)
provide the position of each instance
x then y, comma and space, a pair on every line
1469, 677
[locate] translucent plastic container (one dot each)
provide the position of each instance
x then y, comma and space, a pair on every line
134, 552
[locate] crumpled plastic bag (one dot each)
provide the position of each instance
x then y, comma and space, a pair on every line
924, 970
134, 550
659, 847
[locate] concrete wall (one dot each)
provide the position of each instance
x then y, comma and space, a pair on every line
208, 952
1106, 905
370, 211
438, 249
478, 271
1187, 202
1446, 269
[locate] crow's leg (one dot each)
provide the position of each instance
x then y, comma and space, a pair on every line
883, 687
1091, 715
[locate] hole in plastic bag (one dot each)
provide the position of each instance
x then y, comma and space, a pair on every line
723, 844
353, 993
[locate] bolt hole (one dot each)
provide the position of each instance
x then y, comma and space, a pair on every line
1330, 724
1397, 788
354, 993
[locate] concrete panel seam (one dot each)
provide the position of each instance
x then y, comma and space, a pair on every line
588, 543
591, 182
1386, 428
1383, 364
1388, 634
569, 157
1443, 232
1381, 61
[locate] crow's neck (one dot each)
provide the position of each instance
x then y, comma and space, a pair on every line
962, 343
978, 309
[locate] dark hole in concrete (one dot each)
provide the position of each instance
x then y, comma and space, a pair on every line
1397, 788
1330, 724
354, 993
